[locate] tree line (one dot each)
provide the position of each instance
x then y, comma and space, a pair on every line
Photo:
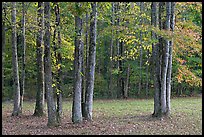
132, 40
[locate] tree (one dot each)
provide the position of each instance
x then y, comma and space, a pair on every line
119, 49
169, 71
91, 63
161, 54
16, 109
58, 57
127, 82
39, 106
84, 66
76, 105
52, 119
22, 84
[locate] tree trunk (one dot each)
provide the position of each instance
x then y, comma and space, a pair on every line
76, 106
147, 75
91, 63
52, 120
39, 106
156, 63
58, 62
168, 91
119, 94
16, 109
121, 79
165, 63
22, 88
85, 65
127, 82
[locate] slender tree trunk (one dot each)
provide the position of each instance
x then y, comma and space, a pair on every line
156, 63
168, 92
52, 120
147, 75
127, 82
16, 108
58, 62
92, 62
39, 106
121, 80
165, 61
83, 84
118, 50
22, 88
76, 106
85, 65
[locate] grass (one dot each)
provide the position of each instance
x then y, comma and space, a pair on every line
132, 116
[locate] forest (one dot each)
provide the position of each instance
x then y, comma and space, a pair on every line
80, 61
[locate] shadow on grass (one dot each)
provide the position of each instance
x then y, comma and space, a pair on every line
143, 118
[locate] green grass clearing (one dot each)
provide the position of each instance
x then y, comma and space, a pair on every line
132, 116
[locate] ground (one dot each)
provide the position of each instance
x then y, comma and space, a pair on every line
132, 116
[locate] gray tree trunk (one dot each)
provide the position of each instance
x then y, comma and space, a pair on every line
84, 70
76, 106
147, 76
16, 86
58, 61
91, 63
22, 88
52, 120
165, 66
117, 8
168, 88
165, 61
39, 105
121, 78
127, 82
156, 64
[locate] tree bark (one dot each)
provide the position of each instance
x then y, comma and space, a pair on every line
52, 120
16, 108
147, 75
91, 63
76, 106
58, 62
127, 82
169, 71
119, 94
85, 65
22, 88
39, 106
165, 61
156, 63
121, 78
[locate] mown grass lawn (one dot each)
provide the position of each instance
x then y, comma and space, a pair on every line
132, 116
